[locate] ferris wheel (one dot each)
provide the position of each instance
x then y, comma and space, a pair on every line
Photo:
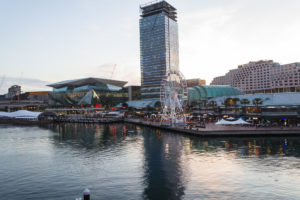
173, 98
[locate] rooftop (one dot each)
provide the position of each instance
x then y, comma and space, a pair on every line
156, 7
85, 81
205, 92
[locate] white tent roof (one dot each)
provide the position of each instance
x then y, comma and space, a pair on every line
224, 122
240, 121
20, 114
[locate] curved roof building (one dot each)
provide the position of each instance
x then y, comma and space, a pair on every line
205, 92
78, 83
88, 91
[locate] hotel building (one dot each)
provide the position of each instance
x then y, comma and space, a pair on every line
158, 46
263, 77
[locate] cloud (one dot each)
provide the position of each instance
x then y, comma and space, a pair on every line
216, 39
94, 27
27, 84
124, 71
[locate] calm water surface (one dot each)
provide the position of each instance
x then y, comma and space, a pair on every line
131, 162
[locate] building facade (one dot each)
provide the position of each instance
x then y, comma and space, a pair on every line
202, 93
263, 77
285, 105
158, 46
195, 82
13, 91
88, 92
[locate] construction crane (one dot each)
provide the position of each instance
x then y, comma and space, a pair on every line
113, 71
2, 81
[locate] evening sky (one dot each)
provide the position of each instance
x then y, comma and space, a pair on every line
55, 40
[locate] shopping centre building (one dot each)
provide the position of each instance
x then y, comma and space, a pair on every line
201, 94
284, 105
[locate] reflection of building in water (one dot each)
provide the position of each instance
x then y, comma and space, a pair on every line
163, 170
246, 146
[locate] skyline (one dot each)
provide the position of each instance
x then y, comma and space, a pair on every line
54, 41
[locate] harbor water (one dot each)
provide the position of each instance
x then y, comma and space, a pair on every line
125, 161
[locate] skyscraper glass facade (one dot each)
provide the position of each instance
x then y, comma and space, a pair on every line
158, 46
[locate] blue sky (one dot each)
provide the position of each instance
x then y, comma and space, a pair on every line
55, 40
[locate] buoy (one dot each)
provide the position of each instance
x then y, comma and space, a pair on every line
86, 194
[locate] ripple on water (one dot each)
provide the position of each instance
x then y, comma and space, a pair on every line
60, 161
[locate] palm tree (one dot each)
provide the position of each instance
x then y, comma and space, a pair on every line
256, 102
235, 100
244, 101
228, 102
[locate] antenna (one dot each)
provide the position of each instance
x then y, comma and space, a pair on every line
20, 79
2, 81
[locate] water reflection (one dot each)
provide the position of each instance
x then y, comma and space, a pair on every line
244, 147
92, 136
162, 166
155, 164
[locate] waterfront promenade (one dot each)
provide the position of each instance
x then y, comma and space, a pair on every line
199, 129
221, 130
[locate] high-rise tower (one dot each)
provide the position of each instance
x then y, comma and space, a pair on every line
158, 46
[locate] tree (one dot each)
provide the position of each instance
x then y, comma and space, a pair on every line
228, 102
256, 102
244, 101
235, 100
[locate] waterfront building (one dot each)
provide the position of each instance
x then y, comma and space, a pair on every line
145, 105
202, 93
134, 92
26, 101
13, 91
195, 82
36, 96
88, 92
284, 105
263, 77
158, 46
